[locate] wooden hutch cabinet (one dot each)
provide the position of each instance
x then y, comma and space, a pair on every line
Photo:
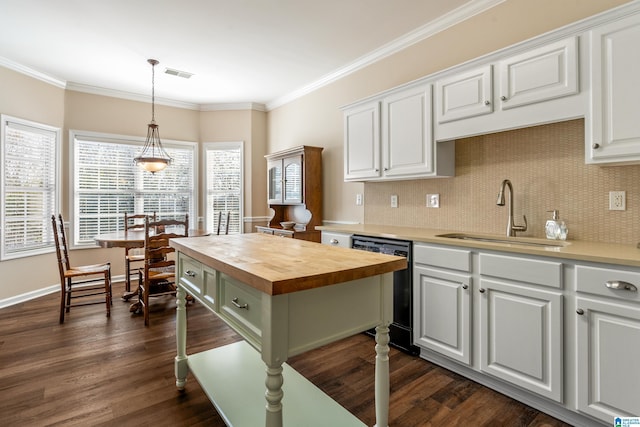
294, 192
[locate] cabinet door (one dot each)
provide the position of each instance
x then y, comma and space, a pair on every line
292, 170
362, 142
521, 336
442, 312
465, 95
274, 181
407, 134
615, 90
539, 75
608, 348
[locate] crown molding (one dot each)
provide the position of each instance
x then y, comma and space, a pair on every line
446, 21
233, 106
7, 63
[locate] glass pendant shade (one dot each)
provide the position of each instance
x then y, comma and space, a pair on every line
153, 157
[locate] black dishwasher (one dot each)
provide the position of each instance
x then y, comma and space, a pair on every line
400, 330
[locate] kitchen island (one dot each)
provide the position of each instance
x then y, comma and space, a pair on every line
284, 297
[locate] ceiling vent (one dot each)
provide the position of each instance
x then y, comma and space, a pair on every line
178, 73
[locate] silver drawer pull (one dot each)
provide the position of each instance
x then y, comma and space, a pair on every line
190, 273
334, 241
620, 284
235, 302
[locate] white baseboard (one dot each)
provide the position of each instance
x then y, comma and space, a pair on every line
18, 299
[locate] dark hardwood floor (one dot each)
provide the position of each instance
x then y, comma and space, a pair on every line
94, 371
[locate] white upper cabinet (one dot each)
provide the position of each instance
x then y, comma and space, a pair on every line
464, 95
362, 142
391, 137
613, 128
538, 75
524, 89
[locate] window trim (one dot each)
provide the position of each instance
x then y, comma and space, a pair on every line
205, 190
120, 139
57, 131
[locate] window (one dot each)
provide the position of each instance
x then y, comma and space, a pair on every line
106, 184
29, 190
224, 188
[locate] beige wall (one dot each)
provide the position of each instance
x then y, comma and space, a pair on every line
317, 120
31, 99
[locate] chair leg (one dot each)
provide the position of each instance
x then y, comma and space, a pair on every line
107, 291
127, 277
145, 305
68, 294
63, 299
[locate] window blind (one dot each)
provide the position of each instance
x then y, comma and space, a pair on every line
29, 187
107, 184
224, 185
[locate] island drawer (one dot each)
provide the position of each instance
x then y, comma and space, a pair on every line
241, 305
190, 273
609, 282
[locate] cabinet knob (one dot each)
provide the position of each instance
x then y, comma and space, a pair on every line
465, 286
190, 273
504, 98
481, 290
334, 241
386, 169
595, 146
487, 102
580, 311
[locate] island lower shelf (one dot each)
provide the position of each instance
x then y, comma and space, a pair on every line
232, 377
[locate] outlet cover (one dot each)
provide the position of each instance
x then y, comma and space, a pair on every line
433, 200
394, 200
359, 199
617, 200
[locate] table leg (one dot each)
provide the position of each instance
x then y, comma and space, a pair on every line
274, 396
382, 376
181, 367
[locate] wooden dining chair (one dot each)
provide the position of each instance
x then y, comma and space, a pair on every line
157, 277
79, 285
226, 227
133, 255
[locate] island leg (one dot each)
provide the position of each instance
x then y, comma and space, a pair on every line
382, 376
274, 396
181, 367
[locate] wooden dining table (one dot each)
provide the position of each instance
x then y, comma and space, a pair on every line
133, 239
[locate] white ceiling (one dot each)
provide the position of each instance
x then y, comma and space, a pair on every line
240, 51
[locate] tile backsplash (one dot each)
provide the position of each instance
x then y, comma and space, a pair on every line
546, 167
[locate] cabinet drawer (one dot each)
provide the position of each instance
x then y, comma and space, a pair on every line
190, 273
539, 272
283, 233
241, 306
594, 280
336, 239
457, 259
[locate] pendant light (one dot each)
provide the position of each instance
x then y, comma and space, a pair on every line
153, 157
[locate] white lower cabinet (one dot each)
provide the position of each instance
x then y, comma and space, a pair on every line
608, 339
443, 321
442, 301
521, 336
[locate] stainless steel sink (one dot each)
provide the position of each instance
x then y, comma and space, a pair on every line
506, 240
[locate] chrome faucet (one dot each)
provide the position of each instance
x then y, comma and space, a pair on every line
511, 226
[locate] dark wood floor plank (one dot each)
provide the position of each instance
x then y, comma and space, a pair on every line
99, 371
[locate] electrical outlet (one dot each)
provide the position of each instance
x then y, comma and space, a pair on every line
394, 200
617, 201
359, 199
433, 200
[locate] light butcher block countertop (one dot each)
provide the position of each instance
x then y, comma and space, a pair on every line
628, 255
278, 265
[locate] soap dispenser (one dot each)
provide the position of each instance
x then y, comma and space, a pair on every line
555, 228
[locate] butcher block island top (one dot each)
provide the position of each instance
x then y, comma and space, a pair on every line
276, 265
